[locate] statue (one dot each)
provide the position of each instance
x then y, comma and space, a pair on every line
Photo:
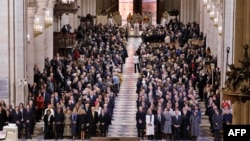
238, 78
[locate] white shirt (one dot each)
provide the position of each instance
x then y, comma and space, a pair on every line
136, 59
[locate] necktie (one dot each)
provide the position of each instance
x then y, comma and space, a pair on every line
159, 117
93, 114
150, 118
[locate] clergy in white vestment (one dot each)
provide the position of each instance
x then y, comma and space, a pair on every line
150, 131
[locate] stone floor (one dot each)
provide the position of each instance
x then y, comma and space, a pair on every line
124, 124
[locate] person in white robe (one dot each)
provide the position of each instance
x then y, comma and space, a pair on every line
150, 131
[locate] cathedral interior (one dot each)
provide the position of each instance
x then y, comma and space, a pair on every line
115, 63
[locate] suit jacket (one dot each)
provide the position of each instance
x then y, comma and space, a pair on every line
140, 116
28, 116
159, 123
176, 121
16, 116
92, 120
217, 121
103, 119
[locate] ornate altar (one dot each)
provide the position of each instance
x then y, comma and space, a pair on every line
117, 18
237, 89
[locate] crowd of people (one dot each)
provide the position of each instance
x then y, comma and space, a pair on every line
74, 95
173, 79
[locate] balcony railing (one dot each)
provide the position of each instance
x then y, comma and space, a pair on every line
64, 42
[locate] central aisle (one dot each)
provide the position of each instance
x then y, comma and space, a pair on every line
124, 123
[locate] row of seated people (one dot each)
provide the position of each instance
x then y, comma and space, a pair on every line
91, 74
167, 98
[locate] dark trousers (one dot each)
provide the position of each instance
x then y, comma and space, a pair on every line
48, 132
140, 132
138, 67
176, 133
217, 135
28, 130
59, 131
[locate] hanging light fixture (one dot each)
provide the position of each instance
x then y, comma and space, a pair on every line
28, 38
216, 19
212, 12
208, 6
67, 2
220, 30
205, 3
48, 19
38, 29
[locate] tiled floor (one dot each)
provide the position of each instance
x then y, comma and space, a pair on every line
124, 124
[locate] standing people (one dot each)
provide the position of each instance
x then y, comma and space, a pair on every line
159, 123
16, 118
67, 123
59, 119
176, 122
150, 131
28, 121
168, 125
92, 120
73, 125
136, 63
140, 122
48, 125
2, 117
217, 124
82, 122
103, 120
195, 121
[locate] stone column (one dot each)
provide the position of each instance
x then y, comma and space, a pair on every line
30, 45
182, 11
191, 11
20, 49
49, 33
39, 45
7, 71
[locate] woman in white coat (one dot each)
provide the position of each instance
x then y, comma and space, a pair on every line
150, 131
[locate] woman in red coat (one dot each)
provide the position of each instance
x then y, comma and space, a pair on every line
39, 106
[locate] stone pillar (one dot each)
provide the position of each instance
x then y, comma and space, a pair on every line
39, 45
201, 16
20, 49
183, 11
191, 11
30, 45
7, 65
238, 31
49, 33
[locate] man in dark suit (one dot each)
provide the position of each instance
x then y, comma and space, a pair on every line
16, 118
140, 121
217, 124
28, 121
2, 117
103, 119
92, 120
159, 123
59, 119
176, 122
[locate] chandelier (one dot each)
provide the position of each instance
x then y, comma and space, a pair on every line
65, 6
68, 2
48, 19
38, 29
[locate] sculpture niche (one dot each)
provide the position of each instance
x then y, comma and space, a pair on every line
238, 78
